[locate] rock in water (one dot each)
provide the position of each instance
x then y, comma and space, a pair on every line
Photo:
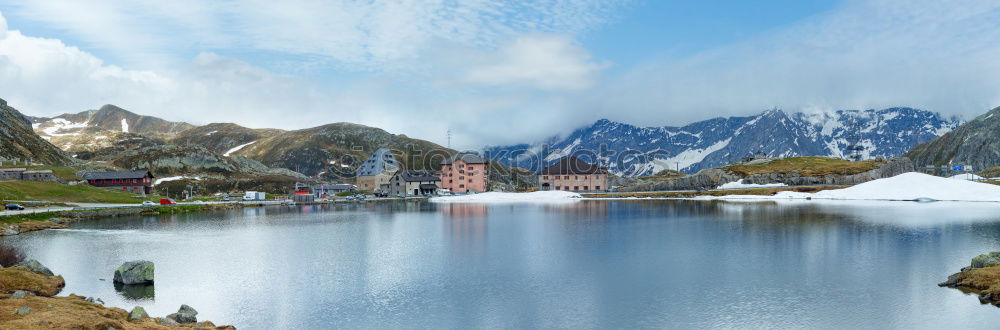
135, 272
137, 314
986, 260
36, 267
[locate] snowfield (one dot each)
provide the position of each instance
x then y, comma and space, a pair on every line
237, 148
505, 197
740, 185
904, 187
175, 178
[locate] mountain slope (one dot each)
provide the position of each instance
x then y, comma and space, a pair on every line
976, 143
94, 129
19, 142
335, 150
222, 137
634, 151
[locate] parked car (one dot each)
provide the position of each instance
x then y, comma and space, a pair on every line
148, 203
14, 207
227, 199
167, 201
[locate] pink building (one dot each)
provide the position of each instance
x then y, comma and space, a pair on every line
573, 174
465, 172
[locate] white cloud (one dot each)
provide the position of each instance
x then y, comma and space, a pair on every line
3, 27
940, 56
370, 34
541, 61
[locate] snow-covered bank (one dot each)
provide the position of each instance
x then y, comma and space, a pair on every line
175, 178
740, 185
903, 187
505, 197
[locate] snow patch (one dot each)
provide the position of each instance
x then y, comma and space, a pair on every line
59, 124
691, 156
175, 178
124, 126
553, 196
740, 185
237, 148
904, 187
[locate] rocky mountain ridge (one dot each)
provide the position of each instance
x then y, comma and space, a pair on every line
976, 144
18, 142
629, 150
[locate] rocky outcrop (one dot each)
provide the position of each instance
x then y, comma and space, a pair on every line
714, 177
982, 277
975, 143
20, 278
184, 315
36, 267
135, 272
18, 142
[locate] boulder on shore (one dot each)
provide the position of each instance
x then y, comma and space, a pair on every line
135, 272
986, 260
137, 314
184, 315
36, 267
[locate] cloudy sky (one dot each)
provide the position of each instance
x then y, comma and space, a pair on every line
495, 71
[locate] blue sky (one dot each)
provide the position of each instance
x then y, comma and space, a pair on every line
495, 71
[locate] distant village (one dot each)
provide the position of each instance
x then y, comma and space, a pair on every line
381, 175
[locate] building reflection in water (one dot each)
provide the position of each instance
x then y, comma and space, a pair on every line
465, 227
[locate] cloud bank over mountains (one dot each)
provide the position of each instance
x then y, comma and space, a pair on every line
494, 72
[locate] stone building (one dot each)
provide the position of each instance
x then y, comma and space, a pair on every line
573, 174
414, 183
374, 174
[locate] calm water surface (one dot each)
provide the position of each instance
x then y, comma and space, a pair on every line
591, 264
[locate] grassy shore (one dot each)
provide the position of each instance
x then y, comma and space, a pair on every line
805, 166
40, 309
63, 193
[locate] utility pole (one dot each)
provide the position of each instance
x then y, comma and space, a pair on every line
449, 138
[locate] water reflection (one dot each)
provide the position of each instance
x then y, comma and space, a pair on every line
136, 292
591, 264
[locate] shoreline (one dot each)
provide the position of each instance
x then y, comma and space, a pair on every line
17, 224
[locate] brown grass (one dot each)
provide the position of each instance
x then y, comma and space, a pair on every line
686, 194
984, 280
74, 312
21, 278
805, 166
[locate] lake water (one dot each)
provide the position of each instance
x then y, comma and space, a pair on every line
591, 264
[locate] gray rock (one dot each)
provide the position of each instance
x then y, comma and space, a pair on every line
185, 315
986, 260
36, 267
13, 229
138, 313
951, 282
23, 310
135, 272
21, 294
167, 321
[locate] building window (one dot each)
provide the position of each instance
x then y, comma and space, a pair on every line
576, 187
566, 177
597, 187
545, 177
585, 188
461, 186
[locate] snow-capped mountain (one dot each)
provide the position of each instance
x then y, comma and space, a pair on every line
634, 151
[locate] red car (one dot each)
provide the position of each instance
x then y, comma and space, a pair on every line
167, 201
